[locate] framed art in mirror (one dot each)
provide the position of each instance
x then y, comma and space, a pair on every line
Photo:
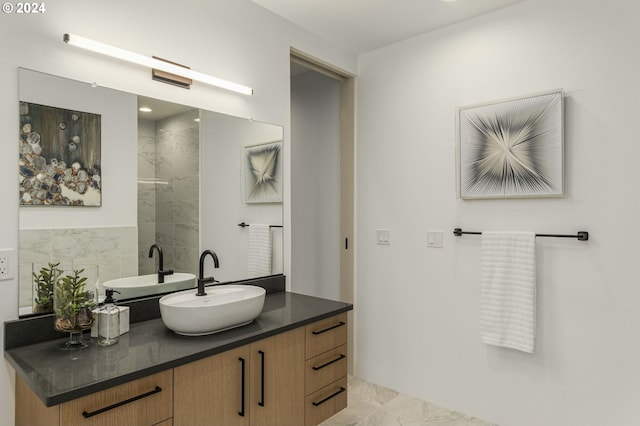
59, 157
263, 173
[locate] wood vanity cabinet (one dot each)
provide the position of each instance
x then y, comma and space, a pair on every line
277, 380
213, 388
147, 401
30, 411
293, 378
260, 384
325, 369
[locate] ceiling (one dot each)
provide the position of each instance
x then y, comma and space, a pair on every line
360, 26
159, 109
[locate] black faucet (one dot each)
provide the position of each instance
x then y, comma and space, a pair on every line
161, 272
201, 279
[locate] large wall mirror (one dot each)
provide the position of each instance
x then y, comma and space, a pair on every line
102, 181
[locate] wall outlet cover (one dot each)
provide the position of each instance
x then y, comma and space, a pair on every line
6, 264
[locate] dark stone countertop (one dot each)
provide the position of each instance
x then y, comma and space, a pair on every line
58, 376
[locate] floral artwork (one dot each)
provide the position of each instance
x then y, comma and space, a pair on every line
59, 157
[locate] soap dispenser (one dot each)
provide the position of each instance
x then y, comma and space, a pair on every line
108, 320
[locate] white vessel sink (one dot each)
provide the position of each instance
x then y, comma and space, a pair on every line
144, 285
223, 307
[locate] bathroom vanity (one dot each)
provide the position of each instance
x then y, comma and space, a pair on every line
288, 367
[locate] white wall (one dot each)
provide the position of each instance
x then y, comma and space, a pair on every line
223, 140
232, 39
418, 308
118, 123
315, 184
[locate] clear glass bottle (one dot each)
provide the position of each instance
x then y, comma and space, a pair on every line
108, 321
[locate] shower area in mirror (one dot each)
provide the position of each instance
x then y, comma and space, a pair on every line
168, 186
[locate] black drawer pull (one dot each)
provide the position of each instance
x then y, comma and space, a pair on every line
121, 403
320, 367
261, 402
242, 390
340, 324
336, 393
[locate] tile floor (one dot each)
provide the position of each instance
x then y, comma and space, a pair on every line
373, 405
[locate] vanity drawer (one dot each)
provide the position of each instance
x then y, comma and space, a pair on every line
326, 334
145, 401
326, 402
325, 369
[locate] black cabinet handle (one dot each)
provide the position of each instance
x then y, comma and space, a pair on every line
261, 402
320, 367
121, 403
242, 391
336, 393
340, 324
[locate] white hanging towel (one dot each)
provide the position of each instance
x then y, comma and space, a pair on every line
508, 290
259, 262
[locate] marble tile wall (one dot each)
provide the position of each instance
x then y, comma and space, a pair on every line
170, 216
373, 405
146, 194
113, 249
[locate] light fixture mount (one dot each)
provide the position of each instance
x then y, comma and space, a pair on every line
174, 79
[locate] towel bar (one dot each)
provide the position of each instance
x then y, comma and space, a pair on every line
244, 225
581, 236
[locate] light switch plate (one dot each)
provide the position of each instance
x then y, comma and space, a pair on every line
383, 237
434, 239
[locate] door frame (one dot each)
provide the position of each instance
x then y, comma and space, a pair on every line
347, 182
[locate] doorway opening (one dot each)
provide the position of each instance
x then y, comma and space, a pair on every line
322, 182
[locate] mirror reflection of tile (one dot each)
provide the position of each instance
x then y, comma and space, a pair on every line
114, 250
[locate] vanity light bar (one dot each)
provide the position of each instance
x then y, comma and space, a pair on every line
125, 55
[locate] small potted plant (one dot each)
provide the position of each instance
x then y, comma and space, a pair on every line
44, 280
73, 304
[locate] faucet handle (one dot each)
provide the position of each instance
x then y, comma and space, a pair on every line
201, 284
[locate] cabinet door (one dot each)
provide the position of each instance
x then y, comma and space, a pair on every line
213, 391
277, 380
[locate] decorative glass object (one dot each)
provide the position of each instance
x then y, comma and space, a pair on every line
44, 276
74, 298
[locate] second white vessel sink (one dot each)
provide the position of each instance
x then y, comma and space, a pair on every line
145, 285
223, 307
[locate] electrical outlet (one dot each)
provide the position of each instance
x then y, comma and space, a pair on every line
6, 264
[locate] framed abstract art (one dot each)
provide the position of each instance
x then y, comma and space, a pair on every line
512, 148
263, 173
